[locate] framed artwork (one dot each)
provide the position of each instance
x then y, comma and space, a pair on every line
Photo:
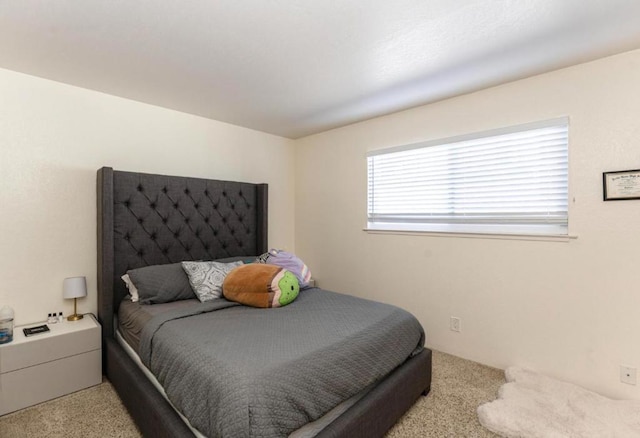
622, 185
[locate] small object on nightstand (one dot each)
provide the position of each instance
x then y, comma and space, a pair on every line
6, 325
74, 287
30, 331
60, 318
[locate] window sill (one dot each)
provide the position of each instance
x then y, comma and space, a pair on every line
469, 235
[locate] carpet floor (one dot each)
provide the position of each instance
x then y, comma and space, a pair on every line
458, 387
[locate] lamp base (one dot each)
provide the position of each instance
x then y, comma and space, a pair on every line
74, 317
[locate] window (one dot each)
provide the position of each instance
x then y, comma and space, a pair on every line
507, 181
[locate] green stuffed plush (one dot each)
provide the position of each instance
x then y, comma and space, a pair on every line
260, 285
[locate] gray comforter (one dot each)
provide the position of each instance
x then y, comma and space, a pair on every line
236, 371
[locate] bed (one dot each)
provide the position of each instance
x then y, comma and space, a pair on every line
146, 220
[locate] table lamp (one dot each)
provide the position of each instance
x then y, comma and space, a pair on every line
74, 287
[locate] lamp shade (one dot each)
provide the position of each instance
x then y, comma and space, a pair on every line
74, 287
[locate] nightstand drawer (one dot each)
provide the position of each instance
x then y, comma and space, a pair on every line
65, 339
28, 386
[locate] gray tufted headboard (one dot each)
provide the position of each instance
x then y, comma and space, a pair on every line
146, 219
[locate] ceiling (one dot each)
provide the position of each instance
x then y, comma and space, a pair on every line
298, 67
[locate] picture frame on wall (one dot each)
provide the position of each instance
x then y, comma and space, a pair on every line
621, 185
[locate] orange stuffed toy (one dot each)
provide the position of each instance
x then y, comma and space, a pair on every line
260, 285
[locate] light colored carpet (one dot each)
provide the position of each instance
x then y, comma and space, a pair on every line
458, 388
535, 406
92, 413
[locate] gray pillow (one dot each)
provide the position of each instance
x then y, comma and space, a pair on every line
161, 283
206, 278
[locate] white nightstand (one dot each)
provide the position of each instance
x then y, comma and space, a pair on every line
45, 366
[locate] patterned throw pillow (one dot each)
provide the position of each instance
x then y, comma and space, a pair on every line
206, 278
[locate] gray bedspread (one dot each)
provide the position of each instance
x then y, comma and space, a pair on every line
236, 371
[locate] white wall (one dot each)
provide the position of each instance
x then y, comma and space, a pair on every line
571, 310
53, 138
568, 309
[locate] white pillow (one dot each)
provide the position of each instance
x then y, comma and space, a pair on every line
206, 278
133, 290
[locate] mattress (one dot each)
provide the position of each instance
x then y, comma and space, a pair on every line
335, 345
309, 430
132, 317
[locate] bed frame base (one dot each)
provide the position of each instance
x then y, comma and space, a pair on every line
370, 417
151, 412
381, 408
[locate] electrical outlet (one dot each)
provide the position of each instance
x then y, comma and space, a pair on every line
454, 324
628, 375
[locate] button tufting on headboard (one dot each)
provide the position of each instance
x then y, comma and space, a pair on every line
154, 219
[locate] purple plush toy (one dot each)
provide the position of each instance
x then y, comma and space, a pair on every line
288, 261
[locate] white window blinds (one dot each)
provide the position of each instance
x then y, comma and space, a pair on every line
512, 180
